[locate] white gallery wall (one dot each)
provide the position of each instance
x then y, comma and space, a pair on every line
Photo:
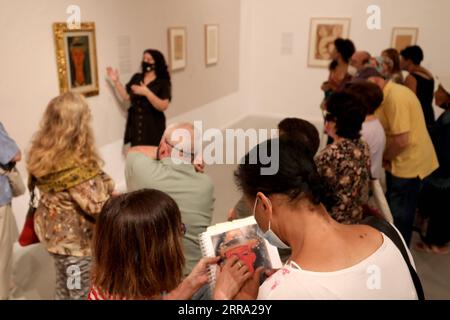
29, 79
252, 75
283, 84
28, 64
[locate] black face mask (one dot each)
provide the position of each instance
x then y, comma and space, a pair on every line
147, 67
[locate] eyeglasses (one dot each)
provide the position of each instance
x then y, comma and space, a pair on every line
178, 149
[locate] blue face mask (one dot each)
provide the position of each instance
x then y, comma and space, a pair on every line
269, 235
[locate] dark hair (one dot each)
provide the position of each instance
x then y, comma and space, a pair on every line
369, 92
137, 249
297, 176
333, 65
413, 53
395, 57
301, 130
367, 58
161, 68
346, 48
348, 111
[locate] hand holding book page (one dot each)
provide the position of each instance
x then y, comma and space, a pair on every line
239, 239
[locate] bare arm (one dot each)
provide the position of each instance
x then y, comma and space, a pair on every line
121, 90
411, 83
113, 75
142, 90
396, 145
161, 105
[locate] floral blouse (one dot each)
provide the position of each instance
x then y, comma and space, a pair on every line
345, 168
64, 221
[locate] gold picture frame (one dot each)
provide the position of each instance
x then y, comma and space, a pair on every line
177, 44
212, 44
403, 37
323, 32
76, 58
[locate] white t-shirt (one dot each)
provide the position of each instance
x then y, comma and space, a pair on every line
382, 276
375, 136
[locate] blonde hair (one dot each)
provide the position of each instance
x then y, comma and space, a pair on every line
65, 134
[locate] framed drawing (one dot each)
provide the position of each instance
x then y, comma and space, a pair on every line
76, 58
404, 37
212, 44
177, 48
323, 32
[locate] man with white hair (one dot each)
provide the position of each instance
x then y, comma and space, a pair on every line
170, 169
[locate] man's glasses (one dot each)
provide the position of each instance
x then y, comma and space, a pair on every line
179, 150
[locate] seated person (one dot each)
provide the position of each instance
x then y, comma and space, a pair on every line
345, 164
169, 168
329, 260
138, 253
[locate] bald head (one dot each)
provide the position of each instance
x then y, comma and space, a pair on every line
360, 60
179, 141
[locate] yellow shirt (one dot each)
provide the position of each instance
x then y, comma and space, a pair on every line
401, 113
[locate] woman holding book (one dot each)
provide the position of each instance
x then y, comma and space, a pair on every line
329, 260
134, 260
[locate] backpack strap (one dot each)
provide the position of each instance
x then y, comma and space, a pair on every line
386, 228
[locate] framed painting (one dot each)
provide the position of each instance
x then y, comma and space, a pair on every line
76, 58
177, 48
323, 32
404, 37
212, 44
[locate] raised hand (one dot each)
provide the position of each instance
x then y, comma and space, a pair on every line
112, 74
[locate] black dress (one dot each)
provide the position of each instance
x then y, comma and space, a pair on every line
145, 124
435, 194
425, 93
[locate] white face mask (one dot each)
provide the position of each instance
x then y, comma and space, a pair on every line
269, 235
352, 71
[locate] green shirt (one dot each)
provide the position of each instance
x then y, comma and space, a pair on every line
192, 191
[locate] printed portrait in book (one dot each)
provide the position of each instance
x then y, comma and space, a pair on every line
245, 244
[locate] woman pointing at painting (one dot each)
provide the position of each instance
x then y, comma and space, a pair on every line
149, 94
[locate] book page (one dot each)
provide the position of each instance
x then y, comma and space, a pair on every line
240, 238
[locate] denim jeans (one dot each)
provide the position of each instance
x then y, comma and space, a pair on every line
402, 196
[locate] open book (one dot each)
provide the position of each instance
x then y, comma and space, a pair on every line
238, 238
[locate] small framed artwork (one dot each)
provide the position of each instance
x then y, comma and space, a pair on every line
76, 58
177, 48
212, 44
323, 33
404, 37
